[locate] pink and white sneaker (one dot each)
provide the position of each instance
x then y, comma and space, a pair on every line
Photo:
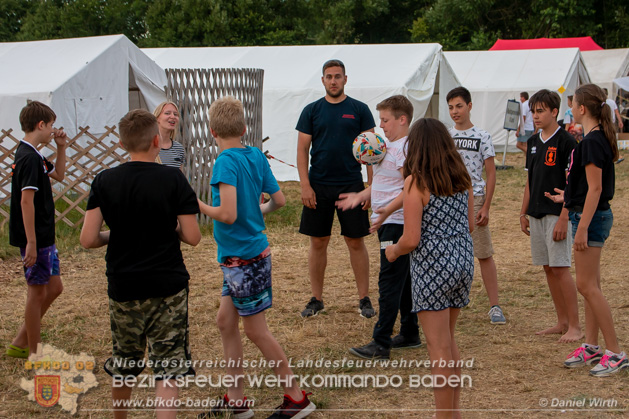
583, 355
611, 363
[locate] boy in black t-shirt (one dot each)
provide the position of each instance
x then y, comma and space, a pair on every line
149, 208
547, 159
32, 220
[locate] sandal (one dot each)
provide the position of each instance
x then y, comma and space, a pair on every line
17, 352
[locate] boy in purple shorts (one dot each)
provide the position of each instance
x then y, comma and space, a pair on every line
32, 220
239, 176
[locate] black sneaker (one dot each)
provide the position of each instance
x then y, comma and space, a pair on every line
365, 308
402, 342
237, 410
290, 409
371, 351
313, 308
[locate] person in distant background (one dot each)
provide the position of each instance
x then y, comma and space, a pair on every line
574, 129
526, 123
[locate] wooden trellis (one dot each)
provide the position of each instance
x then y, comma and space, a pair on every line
87, 154
194, 90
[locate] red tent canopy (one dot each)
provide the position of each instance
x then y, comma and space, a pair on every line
584, 43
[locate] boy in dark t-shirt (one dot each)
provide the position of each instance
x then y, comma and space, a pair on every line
547, 159
149, 208
32, 220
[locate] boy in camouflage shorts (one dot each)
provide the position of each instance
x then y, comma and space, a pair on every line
149, 209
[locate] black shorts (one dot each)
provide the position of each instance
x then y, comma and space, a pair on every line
318, 222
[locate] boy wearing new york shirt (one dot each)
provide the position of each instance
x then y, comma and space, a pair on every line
477, 151
385, 193
547, 159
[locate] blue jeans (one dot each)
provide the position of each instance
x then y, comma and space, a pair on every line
599, 228
394, 284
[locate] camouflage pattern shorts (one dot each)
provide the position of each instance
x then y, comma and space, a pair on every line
163, 323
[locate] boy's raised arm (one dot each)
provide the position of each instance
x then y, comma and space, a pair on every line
60, 164
91, 236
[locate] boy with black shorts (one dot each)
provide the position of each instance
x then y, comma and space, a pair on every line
149, 209
327, 128
32, 220
385, 193
477, 151
239, 176
547, 160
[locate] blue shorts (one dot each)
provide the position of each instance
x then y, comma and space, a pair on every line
248, 283
46, 265
598, 230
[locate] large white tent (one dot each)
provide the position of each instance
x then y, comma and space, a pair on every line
493, 77
292, 79
606, 65
87, 81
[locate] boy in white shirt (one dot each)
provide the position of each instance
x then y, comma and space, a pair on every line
385, 193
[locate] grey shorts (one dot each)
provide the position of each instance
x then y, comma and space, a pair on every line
162, 323
545, 250
481, 236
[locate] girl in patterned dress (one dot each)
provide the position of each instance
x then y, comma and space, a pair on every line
438, 219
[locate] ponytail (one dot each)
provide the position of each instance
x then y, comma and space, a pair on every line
593, 99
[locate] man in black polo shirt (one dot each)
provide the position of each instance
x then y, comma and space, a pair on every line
327, 128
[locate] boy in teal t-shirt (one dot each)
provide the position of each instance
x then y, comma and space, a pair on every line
240, 175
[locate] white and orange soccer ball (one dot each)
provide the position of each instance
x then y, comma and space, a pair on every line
369, 148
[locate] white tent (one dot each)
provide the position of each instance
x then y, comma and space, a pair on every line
86, 81
292, 79
493, 77
606, 65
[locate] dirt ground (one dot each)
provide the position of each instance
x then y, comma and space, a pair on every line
512, 372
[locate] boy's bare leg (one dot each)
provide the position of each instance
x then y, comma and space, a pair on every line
35, 297
317, 262
167, 394
258, 332
490, 279
227, 321
568, 291
53, 289
119, 395
359, 258
558, 301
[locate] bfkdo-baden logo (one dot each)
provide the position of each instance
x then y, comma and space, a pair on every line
47, 389
56, 379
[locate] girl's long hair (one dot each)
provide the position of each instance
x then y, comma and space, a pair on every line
158, 111
433, 161
593, 98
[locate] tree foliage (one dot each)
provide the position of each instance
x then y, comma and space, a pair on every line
456, 24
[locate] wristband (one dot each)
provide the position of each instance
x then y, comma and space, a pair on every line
522, 215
